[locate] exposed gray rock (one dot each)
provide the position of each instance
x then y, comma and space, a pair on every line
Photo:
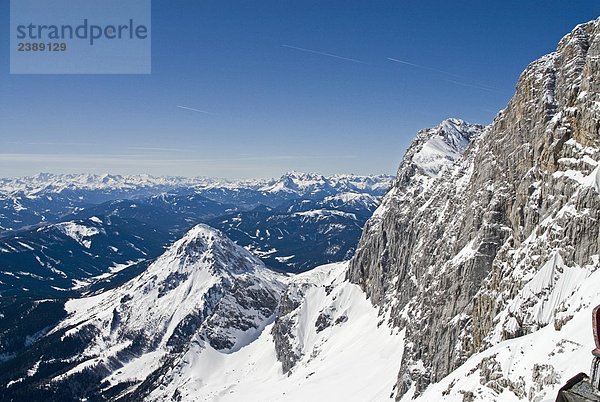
292, 327
543, 375
283, 339
324, 320
461, 231
283, 333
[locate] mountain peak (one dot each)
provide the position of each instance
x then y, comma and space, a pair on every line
211, 247
294, 174
489, 233
442, 145
204, 291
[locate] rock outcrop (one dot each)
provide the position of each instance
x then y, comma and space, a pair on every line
486, 230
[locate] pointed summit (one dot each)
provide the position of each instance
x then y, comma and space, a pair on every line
204, 290
210, 246
442, 145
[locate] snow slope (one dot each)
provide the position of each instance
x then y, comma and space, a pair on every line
204, 323
81, 234
354, 360
535, 366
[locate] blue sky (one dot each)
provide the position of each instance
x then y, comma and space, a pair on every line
279, 85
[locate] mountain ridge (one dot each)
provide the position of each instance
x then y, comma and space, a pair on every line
446, 256
55, 183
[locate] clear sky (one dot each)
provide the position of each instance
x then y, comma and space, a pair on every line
257, 88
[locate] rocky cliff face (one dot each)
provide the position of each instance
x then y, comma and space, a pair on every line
484, 230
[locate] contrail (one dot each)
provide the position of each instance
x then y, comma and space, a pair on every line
423, 67
193, 110
325, 54
464, 84
476, 86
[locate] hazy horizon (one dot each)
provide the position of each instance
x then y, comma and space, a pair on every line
199, 176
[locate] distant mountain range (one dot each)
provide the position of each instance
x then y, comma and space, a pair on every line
71, 234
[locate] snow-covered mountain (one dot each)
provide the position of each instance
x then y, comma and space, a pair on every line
329, 326
205, 291
47, 197
206, 322
45, 183
533, 366
59, 259
486, 249
311, 185
293, 182
438, 148
135, 217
